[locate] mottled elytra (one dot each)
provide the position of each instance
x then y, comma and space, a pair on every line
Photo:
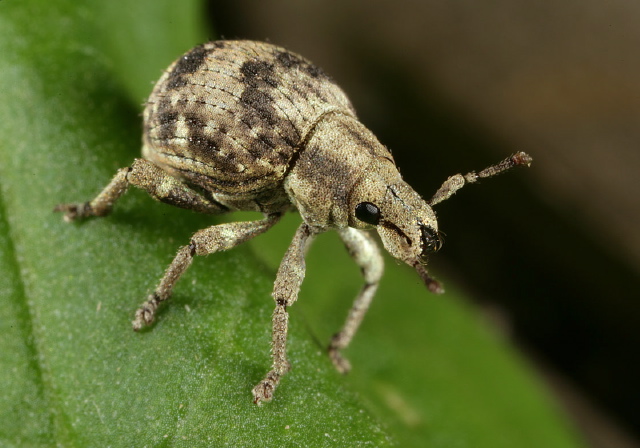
240, 125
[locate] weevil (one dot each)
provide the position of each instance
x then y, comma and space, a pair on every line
243, 125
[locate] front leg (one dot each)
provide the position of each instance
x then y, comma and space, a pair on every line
285, 293
364, 250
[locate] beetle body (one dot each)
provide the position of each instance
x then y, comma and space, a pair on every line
232, 117
241, 125
261, 128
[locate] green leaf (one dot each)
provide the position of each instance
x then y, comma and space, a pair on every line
426, 372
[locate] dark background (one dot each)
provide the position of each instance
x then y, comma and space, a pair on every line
551, 254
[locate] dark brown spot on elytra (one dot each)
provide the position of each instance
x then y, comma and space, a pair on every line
194, 122
166, 128
187, 64
191, 61
176, 82
289, 60
200, 141
259, 105
259, 73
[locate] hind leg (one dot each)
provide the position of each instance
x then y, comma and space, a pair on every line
145, 175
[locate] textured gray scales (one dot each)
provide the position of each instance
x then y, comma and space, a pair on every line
230, 116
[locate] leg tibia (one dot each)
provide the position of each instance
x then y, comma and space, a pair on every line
365, 253
264, 390
102, 204
285, 293
146, 313
279, 340
204, 242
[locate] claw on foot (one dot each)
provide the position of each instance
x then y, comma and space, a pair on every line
341, 364
263, 392
145, 314
72, 212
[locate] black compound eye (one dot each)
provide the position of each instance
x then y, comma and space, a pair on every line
368, 212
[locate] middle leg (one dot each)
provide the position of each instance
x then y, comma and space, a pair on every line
204, 242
